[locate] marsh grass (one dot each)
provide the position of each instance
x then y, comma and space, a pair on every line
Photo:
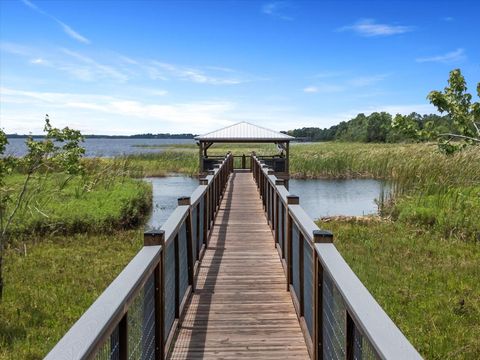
428, 285
428, 188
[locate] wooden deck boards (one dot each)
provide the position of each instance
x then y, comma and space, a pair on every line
240, 308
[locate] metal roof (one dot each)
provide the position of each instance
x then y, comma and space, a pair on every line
244, 131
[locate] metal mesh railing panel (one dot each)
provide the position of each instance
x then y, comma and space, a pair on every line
200, 225
362, 349
296, 260
270, 203
280, 227
308, 269
169, 305
285, 230
182, 261
334, 321
141, 323
194, 231
110, 350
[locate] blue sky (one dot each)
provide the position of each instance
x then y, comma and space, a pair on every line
126, 67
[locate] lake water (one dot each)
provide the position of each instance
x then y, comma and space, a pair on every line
166, 192
352, 197
318, 197
106, 147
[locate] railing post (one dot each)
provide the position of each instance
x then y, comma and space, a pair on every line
291, 200
185, 201
123, 337
319, 236
155, 238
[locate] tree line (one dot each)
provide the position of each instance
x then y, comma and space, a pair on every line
377, 127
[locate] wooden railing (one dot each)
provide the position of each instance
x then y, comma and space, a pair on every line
339, 317
137, 315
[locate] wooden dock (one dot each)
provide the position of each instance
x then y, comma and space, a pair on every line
240, 308
230, 300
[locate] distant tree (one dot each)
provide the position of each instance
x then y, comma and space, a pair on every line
378, 126
59, 150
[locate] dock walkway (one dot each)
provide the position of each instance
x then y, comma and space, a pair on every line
240, 308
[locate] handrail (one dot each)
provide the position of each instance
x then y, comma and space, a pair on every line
137, 315
85, 336
337, 314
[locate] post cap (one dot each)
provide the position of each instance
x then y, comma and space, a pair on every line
184, 200
322, 236
270, 172
203, 181
153, 237
211, 172
279, 182
293, 200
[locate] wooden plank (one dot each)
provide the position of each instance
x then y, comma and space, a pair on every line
240, 308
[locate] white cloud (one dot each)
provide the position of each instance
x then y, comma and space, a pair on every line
93, 69
221, 76
310, 89
66, 28
362, 81
276, 9
453, 56
15, 49
345, 84
369, 28
72, 33
86, 110
324, 88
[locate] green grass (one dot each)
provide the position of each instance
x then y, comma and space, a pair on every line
428, 285
454, 214
79, 205
53, 284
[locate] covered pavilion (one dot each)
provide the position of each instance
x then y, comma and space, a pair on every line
244, 132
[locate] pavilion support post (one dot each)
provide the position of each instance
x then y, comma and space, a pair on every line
287, 163
200, 156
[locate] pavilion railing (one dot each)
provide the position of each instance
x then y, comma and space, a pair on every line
339, 318
137, 315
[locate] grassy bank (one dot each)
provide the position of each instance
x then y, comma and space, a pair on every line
59, 204
427, 284
51, 281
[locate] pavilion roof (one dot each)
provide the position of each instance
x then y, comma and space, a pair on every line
244, 132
